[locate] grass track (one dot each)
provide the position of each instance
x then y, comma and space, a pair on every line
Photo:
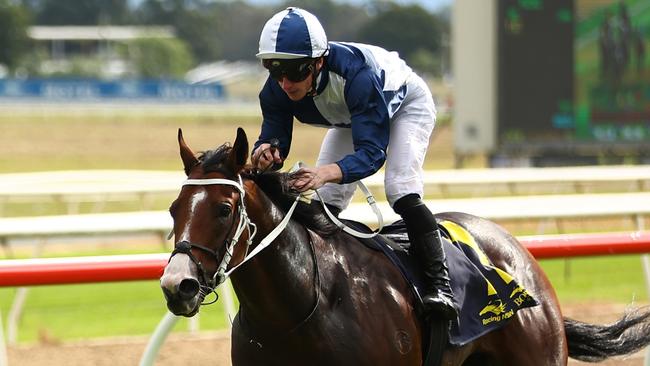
67, 312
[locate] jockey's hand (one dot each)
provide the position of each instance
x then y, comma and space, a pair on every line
265, 156
305, 178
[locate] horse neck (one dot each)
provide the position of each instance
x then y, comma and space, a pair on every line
276, 287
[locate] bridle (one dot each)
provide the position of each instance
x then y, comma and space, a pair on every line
244, 224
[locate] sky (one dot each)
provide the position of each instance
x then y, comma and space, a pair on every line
431, 5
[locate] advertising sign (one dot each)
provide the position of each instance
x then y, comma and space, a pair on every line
89, 89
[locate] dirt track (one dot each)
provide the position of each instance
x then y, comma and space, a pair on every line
214, 348
205, 350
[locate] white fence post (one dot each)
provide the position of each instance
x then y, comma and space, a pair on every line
228, 301
194, 324
157, 339
645, 260
15, 313
3, 348
169, 320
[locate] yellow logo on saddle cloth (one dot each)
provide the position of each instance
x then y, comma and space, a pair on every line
499, 305
495, 307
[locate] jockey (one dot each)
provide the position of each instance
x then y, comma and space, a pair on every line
376, 109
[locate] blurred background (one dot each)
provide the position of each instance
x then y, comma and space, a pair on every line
543, 125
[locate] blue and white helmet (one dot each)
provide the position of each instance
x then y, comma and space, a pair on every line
292, 33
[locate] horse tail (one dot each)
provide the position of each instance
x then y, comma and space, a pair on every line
594, 343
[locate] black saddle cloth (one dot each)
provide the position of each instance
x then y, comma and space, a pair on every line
486, 295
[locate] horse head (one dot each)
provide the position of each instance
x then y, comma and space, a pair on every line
209, 220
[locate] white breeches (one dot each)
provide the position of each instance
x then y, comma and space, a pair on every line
410, 129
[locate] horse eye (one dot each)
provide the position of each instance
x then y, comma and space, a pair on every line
224, 210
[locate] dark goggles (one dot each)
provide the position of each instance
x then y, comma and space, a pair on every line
295, 70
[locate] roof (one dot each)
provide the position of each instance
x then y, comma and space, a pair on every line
115, 33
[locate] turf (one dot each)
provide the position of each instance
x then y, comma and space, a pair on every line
598, 279
66, 312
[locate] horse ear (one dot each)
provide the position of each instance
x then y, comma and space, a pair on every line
239, 153
187, 155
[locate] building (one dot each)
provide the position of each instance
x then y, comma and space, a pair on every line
63, 45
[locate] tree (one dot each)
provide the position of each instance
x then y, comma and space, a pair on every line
230, 30
193, 20
86, 12
409, 30
238, 42
342, 22
199, 30
160, 58
14, 42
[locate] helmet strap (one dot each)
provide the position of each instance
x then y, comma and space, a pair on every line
314, 79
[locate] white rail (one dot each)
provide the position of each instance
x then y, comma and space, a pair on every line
546, 207
73, 187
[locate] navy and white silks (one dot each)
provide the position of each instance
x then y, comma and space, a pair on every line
378, 111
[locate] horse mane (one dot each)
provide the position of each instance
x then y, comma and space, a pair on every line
214, 160
276, 186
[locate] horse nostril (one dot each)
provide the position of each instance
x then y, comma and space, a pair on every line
188, 288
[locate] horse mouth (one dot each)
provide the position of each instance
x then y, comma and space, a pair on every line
187, 315
181, 286
184, 308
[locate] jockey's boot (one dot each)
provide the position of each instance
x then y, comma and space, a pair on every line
437, 295
424, 235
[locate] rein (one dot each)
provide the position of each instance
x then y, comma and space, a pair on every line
245, 224
369, 198
373, 204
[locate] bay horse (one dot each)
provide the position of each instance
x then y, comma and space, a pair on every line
316, 296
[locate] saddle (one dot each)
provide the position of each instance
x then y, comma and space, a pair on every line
486, 295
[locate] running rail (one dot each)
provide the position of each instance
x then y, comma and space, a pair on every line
56, 271
51, 271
